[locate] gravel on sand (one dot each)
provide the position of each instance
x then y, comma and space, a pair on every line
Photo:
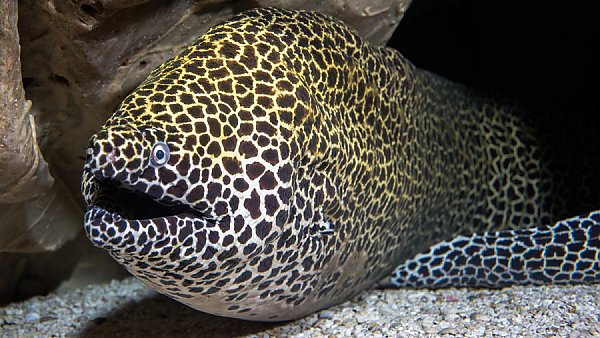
129, 309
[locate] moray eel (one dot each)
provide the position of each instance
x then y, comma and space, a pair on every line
281, 164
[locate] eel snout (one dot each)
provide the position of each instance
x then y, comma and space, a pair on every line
125, 214
119, 154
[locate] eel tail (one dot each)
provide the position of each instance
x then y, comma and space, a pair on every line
567, 252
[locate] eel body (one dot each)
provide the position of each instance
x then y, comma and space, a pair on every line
280, 164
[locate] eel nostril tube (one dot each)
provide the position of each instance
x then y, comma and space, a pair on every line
111, 157
88, 154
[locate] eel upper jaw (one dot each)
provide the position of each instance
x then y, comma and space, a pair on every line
123, 201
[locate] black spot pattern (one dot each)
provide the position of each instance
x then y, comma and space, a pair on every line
567, 252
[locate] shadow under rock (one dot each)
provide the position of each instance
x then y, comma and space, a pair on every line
160, 316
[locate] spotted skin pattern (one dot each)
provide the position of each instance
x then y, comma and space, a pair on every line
564, 253
280, 164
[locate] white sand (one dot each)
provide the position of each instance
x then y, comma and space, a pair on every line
129, 309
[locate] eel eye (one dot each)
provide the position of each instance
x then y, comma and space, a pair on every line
160, 154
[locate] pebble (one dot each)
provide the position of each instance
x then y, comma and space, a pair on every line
326, 314
32, 317
451, 317
451, 298
480, 317
449, 330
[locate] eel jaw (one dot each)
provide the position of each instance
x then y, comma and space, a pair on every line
120, 219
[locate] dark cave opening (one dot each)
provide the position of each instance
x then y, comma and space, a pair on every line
511, 46
541, 54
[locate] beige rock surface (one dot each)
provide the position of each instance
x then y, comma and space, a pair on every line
31, 202
24, 172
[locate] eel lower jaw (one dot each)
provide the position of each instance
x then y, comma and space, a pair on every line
118, 217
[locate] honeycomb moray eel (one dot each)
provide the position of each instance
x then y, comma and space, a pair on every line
280, 164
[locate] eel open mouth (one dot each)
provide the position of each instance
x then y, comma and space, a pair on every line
122, 219
118, 199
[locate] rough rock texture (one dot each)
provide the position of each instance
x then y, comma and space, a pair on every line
30, 206
27, 173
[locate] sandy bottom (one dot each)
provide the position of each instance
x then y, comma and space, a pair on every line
129, 309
